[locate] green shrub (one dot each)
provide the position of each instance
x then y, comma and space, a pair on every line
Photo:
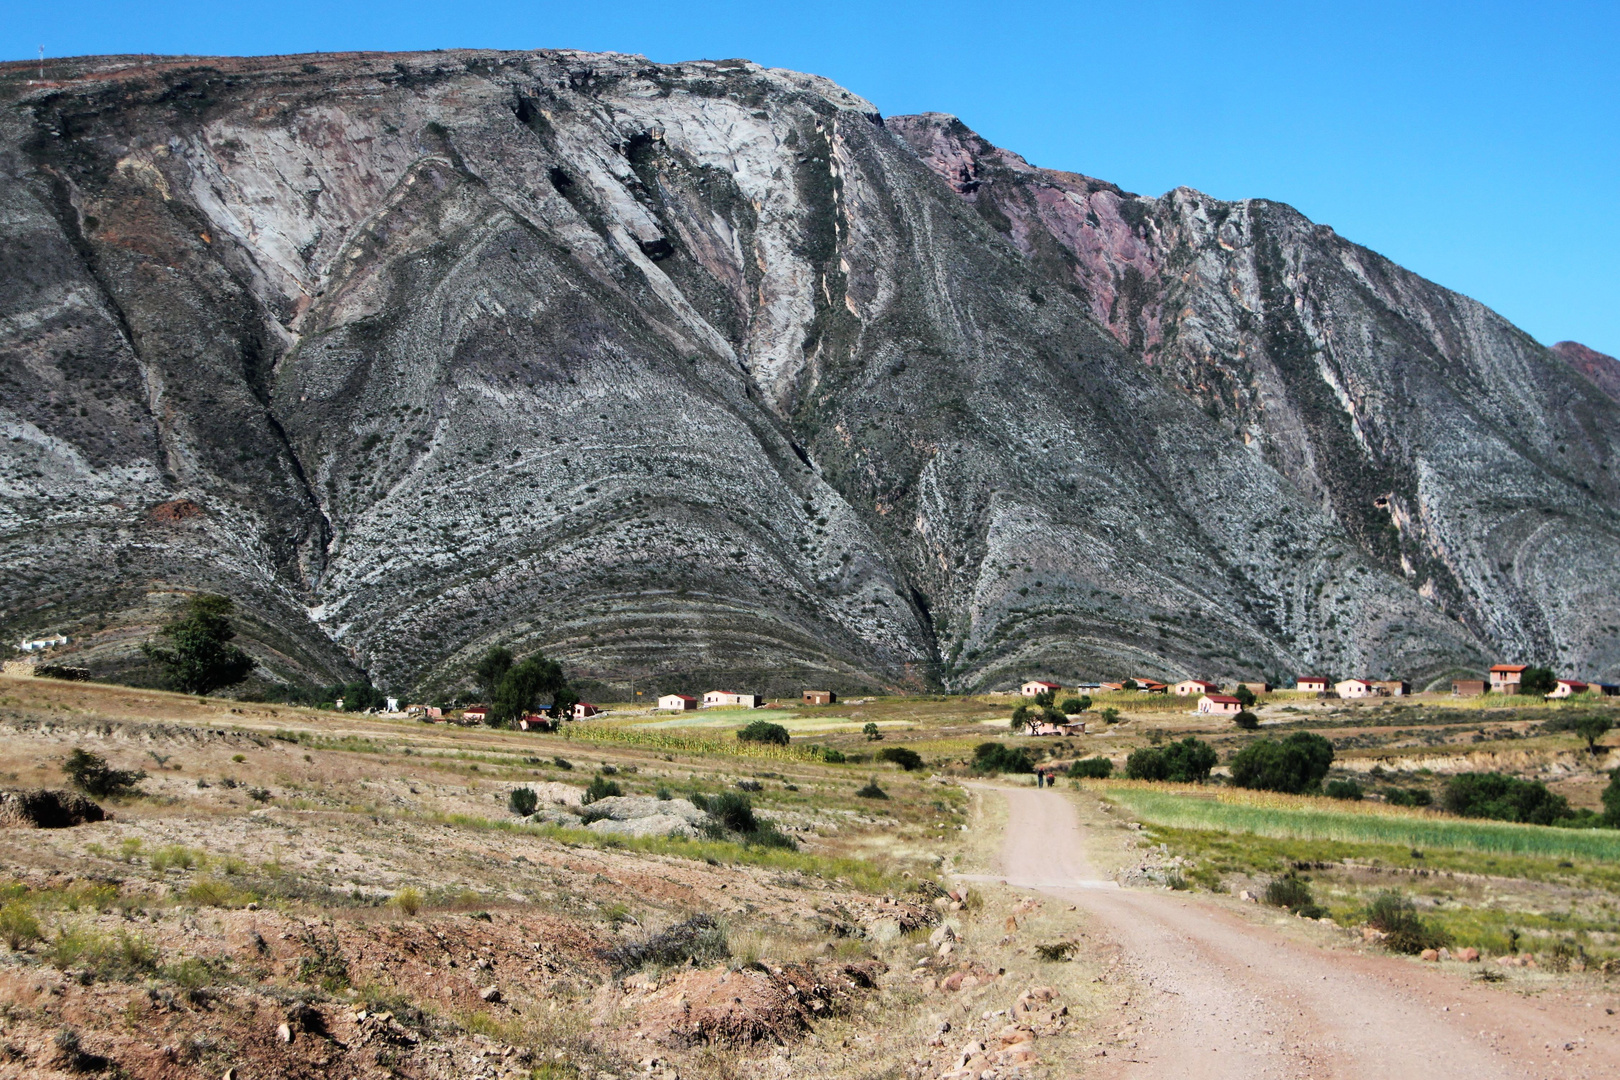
990, 758
174, 855
1093, 768
699, 940
408, 901
1246, 720
832, 757
1245, 697
763, 731
1404, 931
1611, 801
1110, 715
1537, 681
600, 787
1408, 796
563, 763
908, 760
1292, 892
18, 925
733, 810
1184, 762
871, 791
1294, 765
1344, 789
1504, 798
522, 801
1076, 704
91, 774
870, 730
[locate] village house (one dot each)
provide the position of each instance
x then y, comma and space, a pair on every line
1257, 688
1035, 688
1355, 688
536, 722
391, 705
1568, 687
39, 644
1219, 705
1604, 689
1311, 684
475, 714
1189, 687
433, 712
1467, 687
584, 710
1505, 678
677, 702
1150, 686
1393, 687
819, 697
1046, 727
727, 697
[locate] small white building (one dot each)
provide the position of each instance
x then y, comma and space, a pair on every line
391, 704
1567, 688
1311, 684
584, 710
1035, 688
677, 702
41, 644
1219, 705
1189, 687
1356, 688
727, 697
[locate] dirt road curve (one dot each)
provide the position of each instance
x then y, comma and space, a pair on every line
1223, 996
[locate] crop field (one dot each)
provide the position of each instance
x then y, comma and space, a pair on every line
1304, 818
733, 718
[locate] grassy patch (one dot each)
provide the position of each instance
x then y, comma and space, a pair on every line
1306, 818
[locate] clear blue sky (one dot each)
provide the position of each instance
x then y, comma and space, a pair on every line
1476, 143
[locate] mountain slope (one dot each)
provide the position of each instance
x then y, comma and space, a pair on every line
704, 372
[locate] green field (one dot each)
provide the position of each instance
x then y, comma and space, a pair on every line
1303, 821
720, 719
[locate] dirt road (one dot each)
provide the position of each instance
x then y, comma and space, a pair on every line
1220, 994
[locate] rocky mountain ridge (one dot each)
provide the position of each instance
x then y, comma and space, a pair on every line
709, 373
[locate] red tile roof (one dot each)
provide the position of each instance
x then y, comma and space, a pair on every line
1510, 667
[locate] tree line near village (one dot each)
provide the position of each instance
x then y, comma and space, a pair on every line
196, 654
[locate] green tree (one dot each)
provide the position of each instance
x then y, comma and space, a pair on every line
522, 801
1294, 765
1021, 718
1092, 768
763, 731
1110, 715
1184, 762
1045, 698
1592, 728
1504, 798
994, 757
1244, 695
490, 669
522, 687
1537, 680
1246, 720
870, 730
1077, 704
904, 757
1611, 801
198, 657
91, 774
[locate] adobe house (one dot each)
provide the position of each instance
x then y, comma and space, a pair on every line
1257, 687
1035, 688
1355, 688
475, 714
1219, 705
677, 702
1467, 687
1189, 687
1567, 687
584, 710
1148, 686
1392, 687
1505, 678
1604, 689
819, 697
1312, 684
532, 722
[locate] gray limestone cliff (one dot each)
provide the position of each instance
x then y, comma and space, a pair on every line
707, 373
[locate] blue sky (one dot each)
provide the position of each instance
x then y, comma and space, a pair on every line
1478, 143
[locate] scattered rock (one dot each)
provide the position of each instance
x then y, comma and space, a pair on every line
491, 994
1468, 955
1431, 955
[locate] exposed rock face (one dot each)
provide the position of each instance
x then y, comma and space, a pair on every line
47, 808
1601, 368
702, 372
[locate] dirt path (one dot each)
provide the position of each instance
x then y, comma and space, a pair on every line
1221, 996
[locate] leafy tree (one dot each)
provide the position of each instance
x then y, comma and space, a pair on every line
491, 668
1504, 798
1022, 718
1077, 704
907, 759
522, 801
523, 685
1110, 715
1092, 768
1611, 801
1246, 720
1537, 680
1184, 762
1045, 698
198, 657
870, 730
1128, 684
356, 696
1294, 765
1244, 695
1053, 715
763, 731
91, 774
994, 757
1592, 728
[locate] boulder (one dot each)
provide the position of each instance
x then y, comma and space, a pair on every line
1468, 955
633, 807
43, 808
654, 825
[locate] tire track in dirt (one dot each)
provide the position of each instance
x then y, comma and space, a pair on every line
1221, 996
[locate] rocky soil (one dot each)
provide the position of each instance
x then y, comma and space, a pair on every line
707, 374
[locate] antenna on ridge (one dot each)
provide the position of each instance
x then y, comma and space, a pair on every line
42, 63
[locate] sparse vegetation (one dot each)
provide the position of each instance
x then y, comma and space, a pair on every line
1294, 893
91, 774
599, 788
1404, 932
698, 940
